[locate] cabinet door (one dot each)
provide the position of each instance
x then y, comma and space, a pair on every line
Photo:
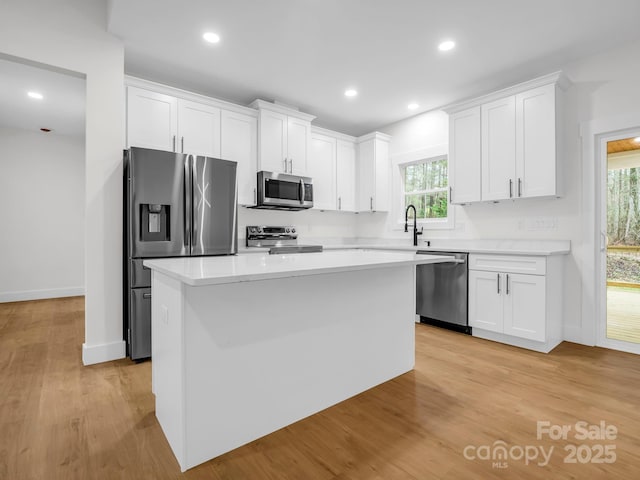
524, 306
322, 169
536, 142
366, 176
486, 300
239, 143
272, 141
464, 156
382, 187
298, 139
152, 120
199, 129
346, 176
498, 149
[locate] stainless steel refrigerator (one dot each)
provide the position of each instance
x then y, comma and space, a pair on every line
174, 205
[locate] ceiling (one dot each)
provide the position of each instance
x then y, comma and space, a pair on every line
308, 52
624, 145
62, 108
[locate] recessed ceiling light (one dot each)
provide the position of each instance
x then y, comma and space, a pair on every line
412, 106
446, 45
36, 95
350, 93
211, 37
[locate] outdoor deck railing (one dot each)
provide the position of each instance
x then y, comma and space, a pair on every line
631, 250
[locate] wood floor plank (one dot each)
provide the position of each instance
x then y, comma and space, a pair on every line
60, 419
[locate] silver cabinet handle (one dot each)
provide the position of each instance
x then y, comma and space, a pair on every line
255, 196
507, 284
510, 188
285, 164
182, 145
174, 143
291, 165
371, 203
450, 194
498, 284
146, 295
339, 203
519, 187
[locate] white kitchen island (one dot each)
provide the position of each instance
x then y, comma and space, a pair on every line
245, 345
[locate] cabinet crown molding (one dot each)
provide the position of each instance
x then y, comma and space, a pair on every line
557, 78
264, 105
374, 135
332, 133
130, 81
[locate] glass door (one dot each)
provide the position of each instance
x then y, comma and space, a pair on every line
623, 240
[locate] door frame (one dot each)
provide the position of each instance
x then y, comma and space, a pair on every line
598, 133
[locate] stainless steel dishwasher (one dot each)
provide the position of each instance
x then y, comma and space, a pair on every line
441, 292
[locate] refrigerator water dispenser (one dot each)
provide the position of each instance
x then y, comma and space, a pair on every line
155, 222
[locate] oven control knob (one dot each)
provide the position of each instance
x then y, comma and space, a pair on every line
259, 230
293, 230
288, 230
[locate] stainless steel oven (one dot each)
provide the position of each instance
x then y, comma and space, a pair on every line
283, 191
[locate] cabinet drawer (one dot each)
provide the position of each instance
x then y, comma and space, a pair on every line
508, 263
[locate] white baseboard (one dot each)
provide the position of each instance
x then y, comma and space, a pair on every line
573, 333
92, 354
40, 294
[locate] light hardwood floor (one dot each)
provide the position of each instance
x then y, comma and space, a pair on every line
60, 420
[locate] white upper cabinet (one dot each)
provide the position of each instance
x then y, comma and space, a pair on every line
322, 169
152, 120
298, 139
239, 143
373, 173
518, 154
464, 156
163, 122
536, 143
498, 149
284, 136
346, 175
198, 129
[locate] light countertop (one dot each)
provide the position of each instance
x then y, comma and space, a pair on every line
488, 246
196, 271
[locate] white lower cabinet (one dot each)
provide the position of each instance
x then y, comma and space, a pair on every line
516, 299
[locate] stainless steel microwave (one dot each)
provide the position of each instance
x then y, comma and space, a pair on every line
282, 191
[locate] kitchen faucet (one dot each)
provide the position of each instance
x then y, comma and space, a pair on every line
415, 224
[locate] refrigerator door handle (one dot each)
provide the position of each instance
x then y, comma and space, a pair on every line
186, 201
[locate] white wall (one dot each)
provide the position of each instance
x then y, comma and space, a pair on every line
71, 34
42, 215
604, 86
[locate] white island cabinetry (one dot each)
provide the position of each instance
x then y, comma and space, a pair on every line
244, 345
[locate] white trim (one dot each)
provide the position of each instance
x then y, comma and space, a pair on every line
374, 135
274, 107
593, 134
333, 133
26, 295
105, 352
556, 77
186, 95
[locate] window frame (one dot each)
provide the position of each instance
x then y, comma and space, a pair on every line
399, 162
